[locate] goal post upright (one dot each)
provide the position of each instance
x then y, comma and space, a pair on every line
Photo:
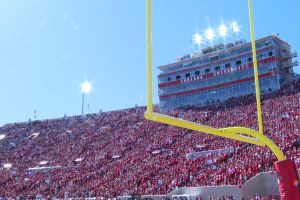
149, 56
257, 89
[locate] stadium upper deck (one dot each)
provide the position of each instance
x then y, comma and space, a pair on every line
220, 72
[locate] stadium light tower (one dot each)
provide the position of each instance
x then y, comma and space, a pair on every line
141, 98
235, 27
86, 87
197, 39
210, 34
223, 30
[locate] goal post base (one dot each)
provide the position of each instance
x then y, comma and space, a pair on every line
288, 179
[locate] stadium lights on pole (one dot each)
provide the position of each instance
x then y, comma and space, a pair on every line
223, 30
210, 34
235, 27
86, 87
197, 39
141, 98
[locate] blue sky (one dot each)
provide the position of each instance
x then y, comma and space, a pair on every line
48, 47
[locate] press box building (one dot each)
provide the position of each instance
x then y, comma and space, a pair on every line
220, 72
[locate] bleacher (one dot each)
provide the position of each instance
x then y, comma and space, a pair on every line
110, 154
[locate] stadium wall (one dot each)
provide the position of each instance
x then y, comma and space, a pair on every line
263, 183
207, 191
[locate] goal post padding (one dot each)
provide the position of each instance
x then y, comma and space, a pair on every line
288, 180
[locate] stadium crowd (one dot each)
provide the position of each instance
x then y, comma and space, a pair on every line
118, 153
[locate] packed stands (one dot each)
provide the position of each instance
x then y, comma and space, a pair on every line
117, 153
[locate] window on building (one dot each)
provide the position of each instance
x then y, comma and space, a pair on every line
249, 59
259, 57
207, 70
238, 62
271, 68
270, 53
169, 79
187, 75
217, 68
197, 73
177, 77
215, 58
227, 65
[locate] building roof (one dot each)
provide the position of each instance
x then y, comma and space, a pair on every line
215, 50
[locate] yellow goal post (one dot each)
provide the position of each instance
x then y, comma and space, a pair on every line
235, 133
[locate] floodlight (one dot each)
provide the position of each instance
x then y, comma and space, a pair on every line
223, 30
197, 39
235, 27
209, 34
7, 165
86, 87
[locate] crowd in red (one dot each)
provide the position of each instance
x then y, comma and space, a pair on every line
117, 153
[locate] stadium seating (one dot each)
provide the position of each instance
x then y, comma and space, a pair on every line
117, 153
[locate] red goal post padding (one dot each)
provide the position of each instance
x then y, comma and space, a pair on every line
288, 180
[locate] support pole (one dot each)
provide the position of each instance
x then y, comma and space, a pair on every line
82, 106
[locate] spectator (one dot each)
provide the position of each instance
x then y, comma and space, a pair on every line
119, 153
